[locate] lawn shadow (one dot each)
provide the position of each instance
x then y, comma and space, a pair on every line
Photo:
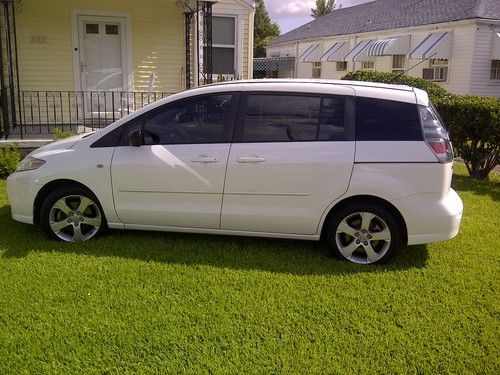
229, 252
465, 183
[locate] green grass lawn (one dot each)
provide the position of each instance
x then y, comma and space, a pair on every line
132, 302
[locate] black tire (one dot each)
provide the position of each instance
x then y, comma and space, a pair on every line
78, 226
347, 233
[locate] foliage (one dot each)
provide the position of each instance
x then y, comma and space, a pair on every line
132, 302
473, 121
322, 7
61, 134
474, 124
434, 90
264, 30
9, 159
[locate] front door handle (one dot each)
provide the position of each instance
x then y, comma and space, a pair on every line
251, 159
205, 159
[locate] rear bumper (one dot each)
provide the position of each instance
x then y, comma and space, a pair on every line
431, 217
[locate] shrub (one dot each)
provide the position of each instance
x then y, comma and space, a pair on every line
434, 90
473, 121
61, 134
474, 125
9, 159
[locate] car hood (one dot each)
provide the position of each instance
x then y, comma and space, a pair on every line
63, 144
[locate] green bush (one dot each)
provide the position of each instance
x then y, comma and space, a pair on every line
61, 134
434, 90
474, 124
473, 121
9, 159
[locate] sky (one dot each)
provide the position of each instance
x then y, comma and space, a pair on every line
290, 14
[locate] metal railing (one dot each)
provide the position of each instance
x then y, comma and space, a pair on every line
79, 111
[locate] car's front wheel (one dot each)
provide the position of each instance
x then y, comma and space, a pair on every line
72, 214
364, 234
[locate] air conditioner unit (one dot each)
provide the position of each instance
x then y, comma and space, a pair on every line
435, 74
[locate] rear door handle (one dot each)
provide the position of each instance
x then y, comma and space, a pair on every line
251, 159
205, 159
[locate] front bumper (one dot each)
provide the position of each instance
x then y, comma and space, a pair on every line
22, 189
431, 217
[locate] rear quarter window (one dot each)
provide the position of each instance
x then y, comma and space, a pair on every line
387, 120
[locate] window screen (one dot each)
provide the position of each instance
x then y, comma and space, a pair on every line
386, 120
196, 120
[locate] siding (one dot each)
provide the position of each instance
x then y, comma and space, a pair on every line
481, 63
464, 77
157, 41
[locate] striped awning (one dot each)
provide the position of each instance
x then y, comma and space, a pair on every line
311, 54
360, 52
336, 52
436, 46
496, 46
399, 45
273, 63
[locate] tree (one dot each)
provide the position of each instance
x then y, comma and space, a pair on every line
264, 30
323, 7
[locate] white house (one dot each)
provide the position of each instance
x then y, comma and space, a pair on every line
455, 43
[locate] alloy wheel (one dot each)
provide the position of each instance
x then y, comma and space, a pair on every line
363, 237
75, 218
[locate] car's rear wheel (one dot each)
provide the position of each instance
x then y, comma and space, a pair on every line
364, 234
72, 214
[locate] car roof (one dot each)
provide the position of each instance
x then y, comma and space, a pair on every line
295, 81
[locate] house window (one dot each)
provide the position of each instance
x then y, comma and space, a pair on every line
367, 65
398, 63
316, 70
224, 45
341, 66
437, 70
495, 69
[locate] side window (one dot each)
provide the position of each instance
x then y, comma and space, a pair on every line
286, 118
386, 120
281, 118
332, 122
196, 120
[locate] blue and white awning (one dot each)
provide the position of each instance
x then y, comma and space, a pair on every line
399, 45
360, 52
434, 46
336, 52
311, 54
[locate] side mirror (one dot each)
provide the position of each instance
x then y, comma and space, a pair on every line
135, 138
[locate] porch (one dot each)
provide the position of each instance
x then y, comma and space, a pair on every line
80, 65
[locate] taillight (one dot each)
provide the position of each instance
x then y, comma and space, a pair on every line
436, 135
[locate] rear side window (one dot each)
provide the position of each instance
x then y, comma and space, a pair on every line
387, 120
289, 118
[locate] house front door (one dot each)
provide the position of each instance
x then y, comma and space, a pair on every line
102, 62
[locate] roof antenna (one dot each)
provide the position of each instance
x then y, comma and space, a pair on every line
414, 66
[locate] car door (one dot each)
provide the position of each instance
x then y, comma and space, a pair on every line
292, 156
176, 177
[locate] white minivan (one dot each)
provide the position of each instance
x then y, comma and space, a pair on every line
365, 166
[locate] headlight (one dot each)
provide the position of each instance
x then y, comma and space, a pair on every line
29, 163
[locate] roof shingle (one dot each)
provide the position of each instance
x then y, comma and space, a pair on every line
392, 14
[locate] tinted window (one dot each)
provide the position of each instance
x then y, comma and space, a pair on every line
196, 120
386, 120
332, 127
